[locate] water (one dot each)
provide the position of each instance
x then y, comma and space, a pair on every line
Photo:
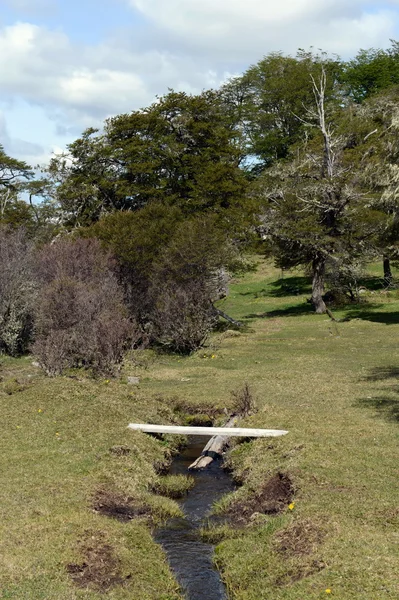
189, 557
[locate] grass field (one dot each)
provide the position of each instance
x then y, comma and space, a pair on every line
334, 386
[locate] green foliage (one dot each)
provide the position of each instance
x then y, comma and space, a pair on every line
17, 213
371, 71
269, 101
171, 267
178, 151
12, 170
14, 212
318, 206
139, 238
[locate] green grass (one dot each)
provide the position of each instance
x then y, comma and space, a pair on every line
334, 386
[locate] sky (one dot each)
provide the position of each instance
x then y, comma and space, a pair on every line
66, 65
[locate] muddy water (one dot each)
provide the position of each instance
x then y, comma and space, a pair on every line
189, 557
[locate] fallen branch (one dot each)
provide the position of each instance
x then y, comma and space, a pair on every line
213, 448
227, 317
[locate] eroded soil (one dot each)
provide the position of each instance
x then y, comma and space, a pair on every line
100, 568
114, 504
272, 498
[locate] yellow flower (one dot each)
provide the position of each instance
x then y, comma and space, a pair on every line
291, 506
213, 356
57, 433
328, 591
40, 410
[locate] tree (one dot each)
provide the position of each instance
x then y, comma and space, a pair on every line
318, 209
12, 171
371, 71
178, 151
13, 174
270, 100
381, 173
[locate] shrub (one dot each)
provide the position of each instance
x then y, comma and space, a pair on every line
343, 278
17, 291
137, 240
172, 270
186, 279
81, 319
243, 401
181, 317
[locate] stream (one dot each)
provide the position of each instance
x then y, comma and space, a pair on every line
190, 558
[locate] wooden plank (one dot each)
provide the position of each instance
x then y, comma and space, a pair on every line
207, 431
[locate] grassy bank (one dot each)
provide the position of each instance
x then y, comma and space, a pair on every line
333, 386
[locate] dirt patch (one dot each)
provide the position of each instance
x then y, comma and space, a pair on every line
113, 504
161, 467
101, 568
300, 572
273, 497
120, 450
299, 539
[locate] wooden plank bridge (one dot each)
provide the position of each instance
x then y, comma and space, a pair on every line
207, 431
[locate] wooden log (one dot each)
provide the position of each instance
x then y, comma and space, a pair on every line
207, 431
213, 448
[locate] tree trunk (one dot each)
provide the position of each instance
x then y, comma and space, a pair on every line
387, 271
318, 269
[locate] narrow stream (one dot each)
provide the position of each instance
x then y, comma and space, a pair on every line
189, 557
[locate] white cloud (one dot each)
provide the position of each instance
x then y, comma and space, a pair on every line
86, 84
247, 29
30, 152
185, 44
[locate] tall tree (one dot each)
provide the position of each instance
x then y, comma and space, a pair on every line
271, 99
318, 210
178, 151
381, 173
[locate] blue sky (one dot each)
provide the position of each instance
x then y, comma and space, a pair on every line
68, 64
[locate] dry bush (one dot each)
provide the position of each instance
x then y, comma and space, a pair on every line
17, 291
243, 401
81, 319
182, 316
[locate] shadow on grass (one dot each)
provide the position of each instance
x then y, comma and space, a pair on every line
383, 373
372, 283
364, 312
291, 286
387, 406
286, 286
291, 311
369, 313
